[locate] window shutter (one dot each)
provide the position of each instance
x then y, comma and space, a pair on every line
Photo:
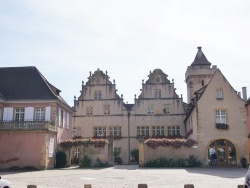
47, 113
28, 114
51, 147
64, 119
8, 114
67, 125
59, 117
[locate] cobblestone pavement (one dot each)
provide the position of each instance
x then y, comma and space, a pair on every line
127, 176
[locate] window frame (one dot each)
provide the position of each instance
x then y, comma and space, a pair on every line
98, 130
40, 114
158, 129
20, 114
174, 130
115, 131
106, 109
89, 110
220, 117
219, 94
150, 110
142, 131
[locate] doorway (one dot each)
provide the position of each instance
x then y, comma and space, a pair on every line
225, 152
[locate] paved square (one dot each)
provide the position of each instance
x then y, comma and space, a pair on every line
127, 176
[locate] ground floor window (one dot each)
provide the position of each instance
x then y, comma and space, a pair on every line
222, 152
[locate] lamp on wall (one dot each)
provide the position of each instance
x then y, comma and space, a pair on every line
74, 129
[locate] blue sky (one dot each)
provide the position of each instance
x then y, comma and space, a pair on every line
66, 40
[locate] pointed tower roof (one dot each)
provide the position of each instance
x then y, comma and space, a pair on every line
200, 58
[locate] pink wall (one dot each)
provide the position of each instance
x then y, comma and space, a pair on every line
20, 149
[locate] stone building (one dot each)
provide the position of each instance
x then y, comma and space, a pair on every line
100, 112
215, 115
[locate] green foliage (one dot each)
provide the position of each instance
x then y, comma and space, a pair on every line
116, 153
85, 161
135, 155
164, 162
60, 159
118, 160
244, 162
99, 163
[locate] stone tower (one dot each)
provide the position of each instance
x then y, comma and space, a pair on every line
198, 74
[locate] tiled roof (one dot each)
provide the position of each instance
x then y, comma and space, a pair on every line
17, 83
200, 58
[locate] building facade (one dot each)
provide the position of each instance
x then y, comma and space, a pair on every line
215, 115
33, 119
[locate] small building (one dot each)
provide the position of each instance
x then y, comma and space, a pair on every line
34, 118
216, 114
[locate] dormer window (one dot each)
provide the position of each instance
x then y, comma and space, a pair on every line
106, 109
167, 109
150, 110
219, 94
157, 93
98, 95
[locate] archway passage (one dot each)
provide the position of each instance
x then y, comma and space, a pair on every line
225, 152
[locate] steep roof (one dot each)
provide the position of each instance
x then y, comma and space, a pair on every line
20, 83
128, 106
200, 58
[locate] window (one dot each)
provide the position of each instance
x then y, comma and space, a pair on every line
62, 120
89, 110
221, 116
167, 109
19, 114
67, 121
150, 110
106, 109
76, 152
98, 94
99, 131
158, 130
202, 82
219, 94
174, 130
39, 114
143, 130
115, 131
157, 93
51, 147
77, 131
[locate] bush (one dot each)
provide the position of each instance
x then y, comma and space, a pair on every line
118, 160
85, 161
60, 159
99, 163
163, 162
135, 155
244, 162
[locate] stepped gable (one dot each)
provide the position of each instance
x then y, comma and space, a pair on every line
157, 76
98, 78
200, 58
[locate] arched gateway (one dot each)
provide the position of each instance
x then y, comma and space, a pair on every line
225, 151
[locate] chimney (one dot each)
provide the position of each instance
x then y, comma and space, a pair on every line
239, 93
244, 93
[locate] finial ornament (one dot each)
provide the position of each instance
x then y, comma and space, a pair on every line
199, 47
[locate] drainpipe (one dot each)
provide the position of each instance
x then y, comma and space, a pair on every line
128, 137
